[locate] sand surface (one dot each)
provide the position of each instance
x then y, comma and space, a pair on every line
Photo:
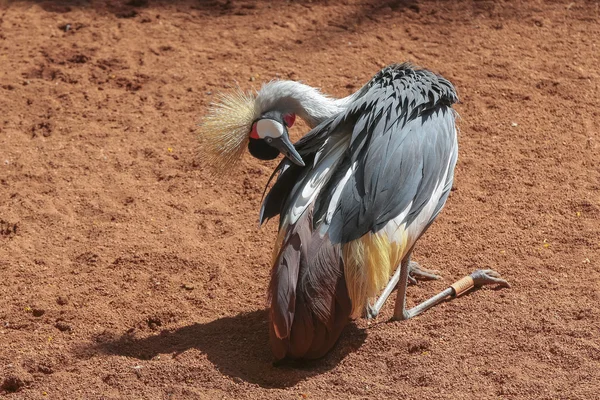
126, 273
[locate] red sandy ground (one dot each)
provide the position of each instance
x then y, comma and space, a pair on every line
125, 273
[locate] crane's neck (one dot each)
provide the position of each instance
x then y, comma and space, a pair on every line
306, 102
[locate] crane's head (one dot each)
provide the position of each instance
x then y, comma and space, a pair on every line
269, 137
236, 122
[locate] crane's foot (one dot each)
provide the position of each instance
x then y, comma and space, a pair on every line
371, 312
476, 280
418, 273
488, 277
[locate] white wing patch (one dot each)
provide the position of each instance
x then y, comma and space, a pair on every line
396, 226
335, 198
316, 179
415, 229
320, 152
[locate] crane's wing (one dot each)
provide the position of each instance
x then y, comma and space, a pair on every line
402, 154
384, 156
398, 172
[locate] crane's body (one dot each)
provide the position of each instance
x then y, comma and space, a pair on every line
353, 196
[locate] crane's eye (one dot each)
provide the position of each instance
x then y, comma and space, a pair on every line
268, 139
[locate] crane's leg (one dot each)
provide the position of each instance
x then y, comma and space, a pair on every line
477, 279
415, 272
403, 276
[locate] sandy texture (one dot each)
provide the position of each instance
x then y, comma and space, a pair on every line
127, 273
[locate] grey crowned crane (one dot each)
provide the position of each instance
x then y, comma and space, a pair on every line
353, 195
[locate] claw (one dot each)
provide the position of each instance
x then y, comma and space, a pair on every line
370, 312
488, 277
416, 272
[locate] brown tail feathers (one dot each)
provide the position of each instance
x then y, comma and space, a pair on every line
309, 300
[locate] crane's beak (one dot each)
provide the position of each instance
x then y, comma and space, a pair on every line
284, 145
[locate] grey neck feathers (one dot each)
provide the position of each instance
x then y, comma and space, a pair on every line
306, 102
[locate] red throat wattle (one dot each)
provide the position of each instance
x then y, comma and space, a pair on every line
254, 132
289, 119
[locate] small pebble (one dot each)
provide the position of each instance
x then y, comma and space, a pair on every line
188, 286
63, 326
38, 312
418, 345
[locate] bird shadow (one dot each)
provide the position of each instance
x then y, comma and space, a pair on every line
237, 346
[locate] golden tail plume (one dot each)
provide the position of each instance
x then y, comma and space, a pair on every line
225, 130
369, 262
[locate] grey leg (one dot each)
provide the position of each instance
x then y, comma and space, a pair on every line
476, 279
415, 272
400, 311
402, 276
373, 310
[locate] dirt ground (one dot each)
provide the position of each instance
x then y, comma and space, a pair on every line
126, 273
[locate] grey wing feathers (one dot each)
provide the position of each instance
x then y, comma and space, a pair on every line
393, 174
289, 174
403, 138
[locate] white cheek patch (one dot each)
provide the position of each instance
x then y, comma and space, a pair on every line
269, 128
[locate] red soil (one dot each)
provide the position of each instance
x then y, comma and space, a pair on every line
127, 273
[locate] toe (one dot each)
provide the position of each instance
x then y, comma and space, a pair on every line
370, 312
488, 277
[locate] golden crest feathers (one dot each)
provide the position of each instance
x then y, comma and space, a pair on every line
225, 130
